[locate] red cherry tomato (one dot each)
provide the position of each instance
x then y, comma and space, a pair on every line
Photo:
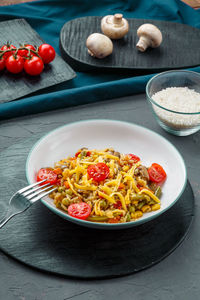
24, 52
77, 153
98, 172
8, 47
47, 53
157, 173
80, 210
14, 64
48, 174
118, 205
133, 157
2, 64
114, 220
33, 66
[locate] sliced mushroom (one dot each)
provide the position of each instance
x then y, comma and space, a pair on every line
99, 45
115, 27
142, 172
116, 153
149, 36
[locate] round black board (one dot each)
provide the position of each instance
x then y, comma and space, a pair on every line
179, 49
47, 242
43, 240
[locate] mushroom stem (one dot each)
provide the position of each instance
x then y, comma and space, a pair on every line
90, 53
143, 43
117, 18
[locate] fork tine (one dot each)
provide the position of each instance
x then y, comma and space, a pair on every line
35, 189
42, 195
38, 192
30, 186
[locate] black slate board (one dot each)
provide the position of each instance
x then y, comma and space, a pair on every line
16, 86
179, 49
47, 242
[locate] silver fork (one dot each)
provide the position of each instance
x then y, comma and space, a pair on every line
24, 198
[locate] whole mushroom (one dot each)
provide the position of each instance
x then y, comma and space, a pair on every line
99, 45
115, 27
149, 36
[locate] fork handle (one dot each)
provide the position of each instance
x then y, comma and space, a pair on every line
9, 214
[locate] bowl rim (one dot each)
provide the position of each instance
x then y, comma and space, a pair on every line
162, 107
98, 224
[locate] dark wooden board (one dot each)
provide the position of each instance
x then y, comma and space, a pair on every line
179, 49
43, 240
16, 86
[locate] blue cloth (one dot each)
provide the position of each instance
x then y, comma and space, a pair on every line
48, 16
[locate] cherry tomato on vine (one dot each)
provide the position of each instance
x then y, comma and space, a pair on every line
48, 174
2, 64
98, 172
133, 158
24, 52
157, 173
14, 64
34, 65
47, 53
80, 210
8, 47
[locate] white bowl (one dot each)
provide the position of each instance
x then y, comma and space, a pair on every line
123, 137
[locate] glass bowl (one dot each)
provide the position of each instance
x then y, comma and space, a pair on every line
174, 108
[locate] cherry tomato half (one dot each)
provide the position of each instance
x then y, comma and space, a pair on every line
77, 153
2, 64
8, 47
33, 66
156, 173
118, 205
114, 220
24, 52
98, 172
133, 158
47, 53
80, 210
48, 174
14, 64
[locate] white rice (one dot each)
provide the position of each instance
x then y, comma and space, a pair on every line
181, 99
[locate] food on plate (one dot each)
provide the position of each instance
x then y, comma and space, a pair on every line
115, 27
105, 185
99, 45
48, 174
149, 36
27, 57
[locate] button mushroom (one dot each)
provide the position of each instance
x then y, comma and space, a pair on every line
142, 172
115, 27
99, 45
149, 36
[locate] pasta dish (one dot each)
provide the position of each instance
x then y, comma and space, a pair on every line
105, 186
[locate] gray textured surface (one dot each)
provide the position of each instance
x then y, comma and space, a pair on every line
176, 277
